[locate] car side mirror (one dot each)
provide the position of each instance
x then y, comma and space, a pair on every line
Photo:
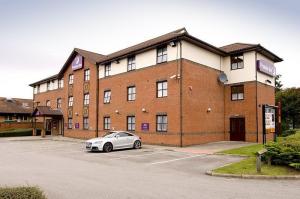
117, 136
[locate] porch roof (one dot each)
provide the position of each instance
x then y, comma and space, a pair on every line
46, 111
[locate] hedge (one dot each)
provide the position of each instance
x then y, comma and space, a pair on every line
15, 133
288, 132
21, 193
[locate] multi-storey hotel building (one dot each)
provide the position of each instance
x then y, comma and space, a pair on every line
174, 90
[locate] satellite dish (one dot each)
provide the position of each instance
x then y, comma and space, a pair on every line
222, 77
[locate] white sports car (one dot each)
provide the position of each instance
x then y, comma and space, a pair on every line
114, 140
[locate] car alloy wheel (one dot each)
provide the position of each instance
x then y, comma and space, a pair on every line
137, 144
108, 147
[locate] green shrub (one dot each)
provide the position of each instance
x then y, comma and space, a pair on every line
295, 165
288, 132
21, 193
16, 133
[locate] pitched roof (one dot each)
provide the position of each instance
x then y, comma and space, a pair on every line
15, 106
152, 43
244, 47
46, 111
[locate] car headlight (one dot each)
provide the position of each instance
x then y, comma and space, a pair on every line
98, 142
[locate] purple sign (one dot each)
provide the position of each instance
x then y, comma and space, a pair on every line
76, 125
145, 126
266, 68
77, 63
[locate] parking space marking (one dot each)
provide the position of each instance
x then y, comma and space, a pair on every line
140, 155
177, 159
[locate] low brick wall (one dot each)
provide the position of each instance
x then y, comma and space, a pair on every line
14, 125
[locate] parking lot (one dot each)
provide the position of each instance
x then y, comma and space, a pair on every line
63, 169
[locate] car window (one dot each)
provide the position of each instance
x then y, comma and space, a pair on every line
109, 135
123, 134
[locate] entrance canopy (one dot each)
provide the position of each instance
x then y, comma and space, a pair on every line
46, 111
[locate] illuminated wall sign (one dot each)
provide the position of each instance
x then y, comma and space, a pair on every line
266, 68
77, 63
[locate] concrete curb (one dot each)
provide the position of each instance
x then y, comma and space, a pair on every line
245, 176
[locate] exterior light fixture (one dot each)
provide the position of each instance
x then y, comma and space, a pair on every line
117, 112
144, 110
209, 110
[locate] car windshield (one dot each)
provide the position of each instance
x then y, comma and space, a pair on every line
109, 135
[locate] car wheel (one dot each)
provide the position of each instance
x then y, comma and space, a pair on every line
108, 147
137, 144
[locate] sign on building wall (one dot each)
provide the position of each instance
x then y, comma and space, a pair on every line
266, 67
76, 125
77, 63
145, 126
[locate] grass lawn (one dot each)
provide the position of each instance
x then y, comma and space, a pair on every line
21, 193
15, 130
248, 166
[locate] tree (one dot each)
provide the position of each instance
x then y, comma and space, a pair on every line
278, 84
290, 100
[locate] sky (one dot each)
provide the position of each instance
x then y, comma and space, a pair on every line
36, 36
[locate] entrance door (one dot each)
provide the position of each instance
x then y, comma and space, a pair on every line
237, 129
48, 126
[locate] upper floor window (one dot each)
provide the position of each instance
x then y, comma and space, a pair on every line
106, 123
131, 93
161, 123
162, 89
162, 55
60, 83
237, 62
48, 86
107, 95
38, 89
70, 102
237, 92
48, 103
86, 99
107, 69
58, 103
131, 63
85, 123
71, 79
130, 123
87, 75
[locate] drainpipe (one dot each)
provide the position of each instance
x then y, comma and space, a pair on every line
256, 103
97, 101
181, 84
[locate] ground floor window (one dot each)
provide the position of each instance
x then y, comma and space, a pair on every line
85, 123
106, 123
70, 123
161, 123
130, 123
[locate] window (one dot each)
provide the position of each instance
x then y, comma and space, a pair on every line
85, 123
8, 117
237, 92
71, 79
123, 134
131, 92
107, 69
38, 89
106, 123
70, 102
60, 83
58, 103
48, 103
130, 123
87, 75
131, 63
161, 54
161, 123
70, 123
107, 95
86, 99
162, 89
237, 62
25, 118
48, 86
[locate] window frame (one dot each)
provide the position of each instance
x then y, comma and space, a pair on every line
70, 102
70, 124
232, 61
59, 83
86, 122
162, 123
131, 126
163, 55
107, 69
48, 103
87, 75
71, 80
106, 123
237, 93
86, 99
105, 98
130, 95
48, 86
131, 63
58, 103
158, 90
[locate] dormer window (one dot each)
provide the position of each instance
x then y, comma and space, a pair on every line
237, 62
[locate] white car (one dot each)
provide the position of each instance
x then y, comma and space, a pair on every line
114, 140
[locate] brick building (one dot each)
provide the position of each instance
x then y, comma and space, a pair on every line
174, 90
15, 110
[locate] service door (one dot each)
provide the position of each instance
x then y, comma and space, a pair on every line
237, 129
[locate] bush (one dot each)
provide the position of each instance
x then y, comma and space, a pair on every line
21, 193
16, 133
295, 165
288, 132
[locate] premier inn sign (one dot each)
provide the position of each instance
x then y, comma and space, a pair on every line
266, 68
77, 63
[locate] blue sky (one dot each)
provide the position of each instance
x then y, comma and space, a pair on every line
36, 37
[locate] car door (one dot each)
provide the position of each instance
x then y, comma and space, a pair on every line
121, 140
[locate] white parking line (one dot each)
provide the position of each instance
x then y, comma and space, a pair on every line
177, 159
132, 156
